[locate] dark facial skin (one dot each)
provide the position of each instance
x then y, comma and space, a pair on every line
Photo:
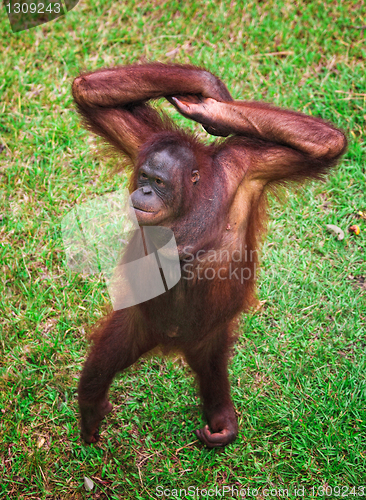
158, 197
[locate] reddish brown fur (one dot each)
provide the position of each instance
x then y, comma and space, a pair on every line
223, 212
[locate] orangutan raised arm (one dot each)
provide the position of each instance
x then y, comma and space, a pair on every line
114, 105
291, 145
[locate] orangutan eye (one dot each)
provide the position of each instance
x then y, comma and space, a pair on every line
158, 181
143, 175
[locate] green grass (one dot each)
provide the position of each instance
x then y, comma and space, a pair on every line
298, 370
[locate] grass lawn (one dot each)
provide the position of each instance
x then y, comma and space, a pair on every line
298, 369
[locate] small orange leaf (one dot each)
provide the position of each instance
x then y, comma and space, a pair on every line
354, 229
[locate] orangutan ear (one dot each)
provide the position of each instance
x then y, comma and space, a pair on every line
195, 176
